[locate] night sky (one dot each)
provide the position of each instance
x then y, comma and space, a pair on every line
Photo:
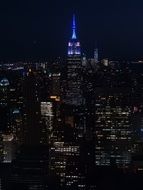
31, 29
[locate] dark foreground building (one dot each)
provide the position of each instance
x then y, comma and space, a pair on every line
30, 170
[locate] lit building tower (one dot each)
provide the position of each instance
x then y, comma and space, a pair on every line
113, 131
73, 90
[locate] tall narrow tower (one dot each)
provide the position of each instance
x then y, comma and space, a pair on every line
73, 91
74, 44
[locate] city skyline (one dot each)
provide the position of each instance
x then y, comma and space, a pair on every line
75, 122
34, 30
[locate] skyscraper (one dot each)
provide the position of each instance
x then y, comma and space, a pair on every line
113, 117
73, 90
113, 131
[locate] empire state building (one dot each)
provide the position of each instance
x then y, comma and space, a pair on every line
74, 66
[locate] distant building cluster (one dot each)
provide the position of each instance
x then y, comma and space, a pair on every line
63, 122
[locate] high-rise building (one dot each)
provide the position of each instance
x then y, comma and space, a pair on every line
47, 117
55, 79
65, 158
109, 113
31, 133
8, 148
34, 130
113, 131
73, 95
113, 113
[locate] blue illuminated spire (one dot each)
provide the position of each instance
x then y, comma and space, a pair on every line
74, 29
74, 44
